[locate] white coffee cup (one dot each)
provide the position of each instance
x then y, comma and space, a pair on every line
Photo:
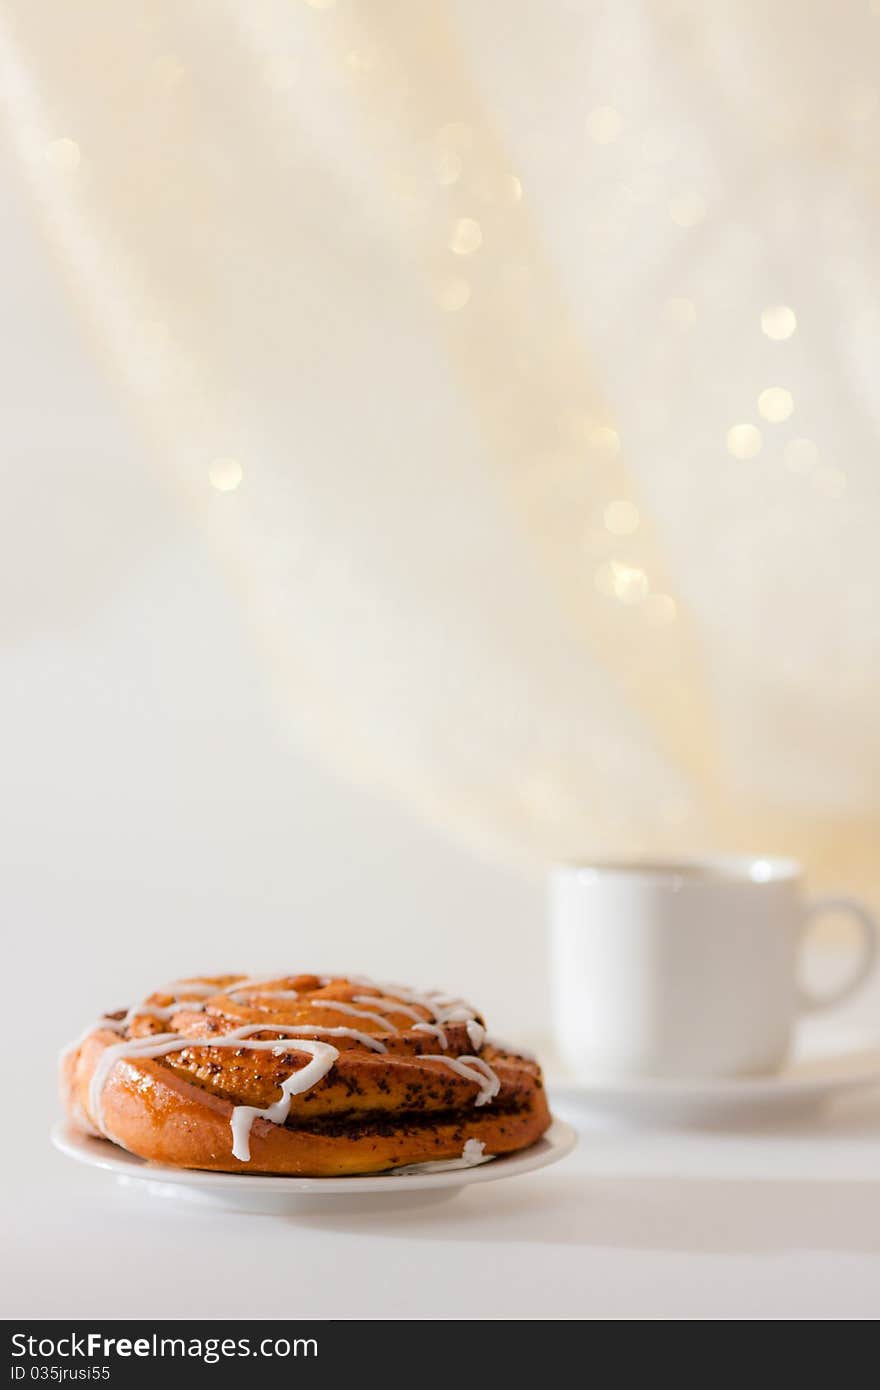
686, 969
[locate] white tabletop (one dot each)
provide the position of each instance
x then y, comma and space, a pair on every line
782, 1221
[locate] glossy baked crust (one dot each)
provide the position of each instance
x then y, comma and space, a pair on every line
373, 1110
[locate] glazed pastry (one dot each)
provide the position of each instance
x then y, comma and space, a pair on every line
301, 1074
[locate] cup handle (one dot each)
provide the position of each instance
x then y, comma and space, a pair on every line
867, 945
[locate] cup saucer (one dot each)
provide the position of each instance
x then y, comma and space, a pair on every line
802, 1085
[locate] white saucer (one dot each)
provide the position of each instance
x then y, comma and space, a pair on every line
286, 1195
802, 1085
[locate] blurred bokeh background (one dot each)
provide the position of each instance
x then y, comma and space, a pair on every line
157, 815
437, 438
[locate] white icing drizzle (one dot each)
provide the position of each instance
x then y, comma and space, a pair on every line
388, 1006
476, 1033
339, 1006
162, 1012
243, 1116
472, 1069
429, 1000
443, 1008
434, 1028
458, 1013
269, 985
312, 1030
200, 988
236, 995
473, 1153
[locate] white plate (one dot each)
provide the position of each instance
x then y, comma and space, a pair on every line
259, 1192
802, 1085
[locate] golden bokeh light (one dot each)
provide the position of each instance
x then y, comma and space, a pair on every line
688, 208
775, 404
604, 440
466, 236
627, 583
452, 293
513, 187
778, 322
744, 441
225, 474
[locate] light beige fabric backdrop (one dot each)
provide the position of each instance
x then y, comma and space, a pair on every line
519, 361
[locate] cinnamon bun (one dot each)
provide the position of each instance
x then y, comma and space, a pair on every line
302, 1074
